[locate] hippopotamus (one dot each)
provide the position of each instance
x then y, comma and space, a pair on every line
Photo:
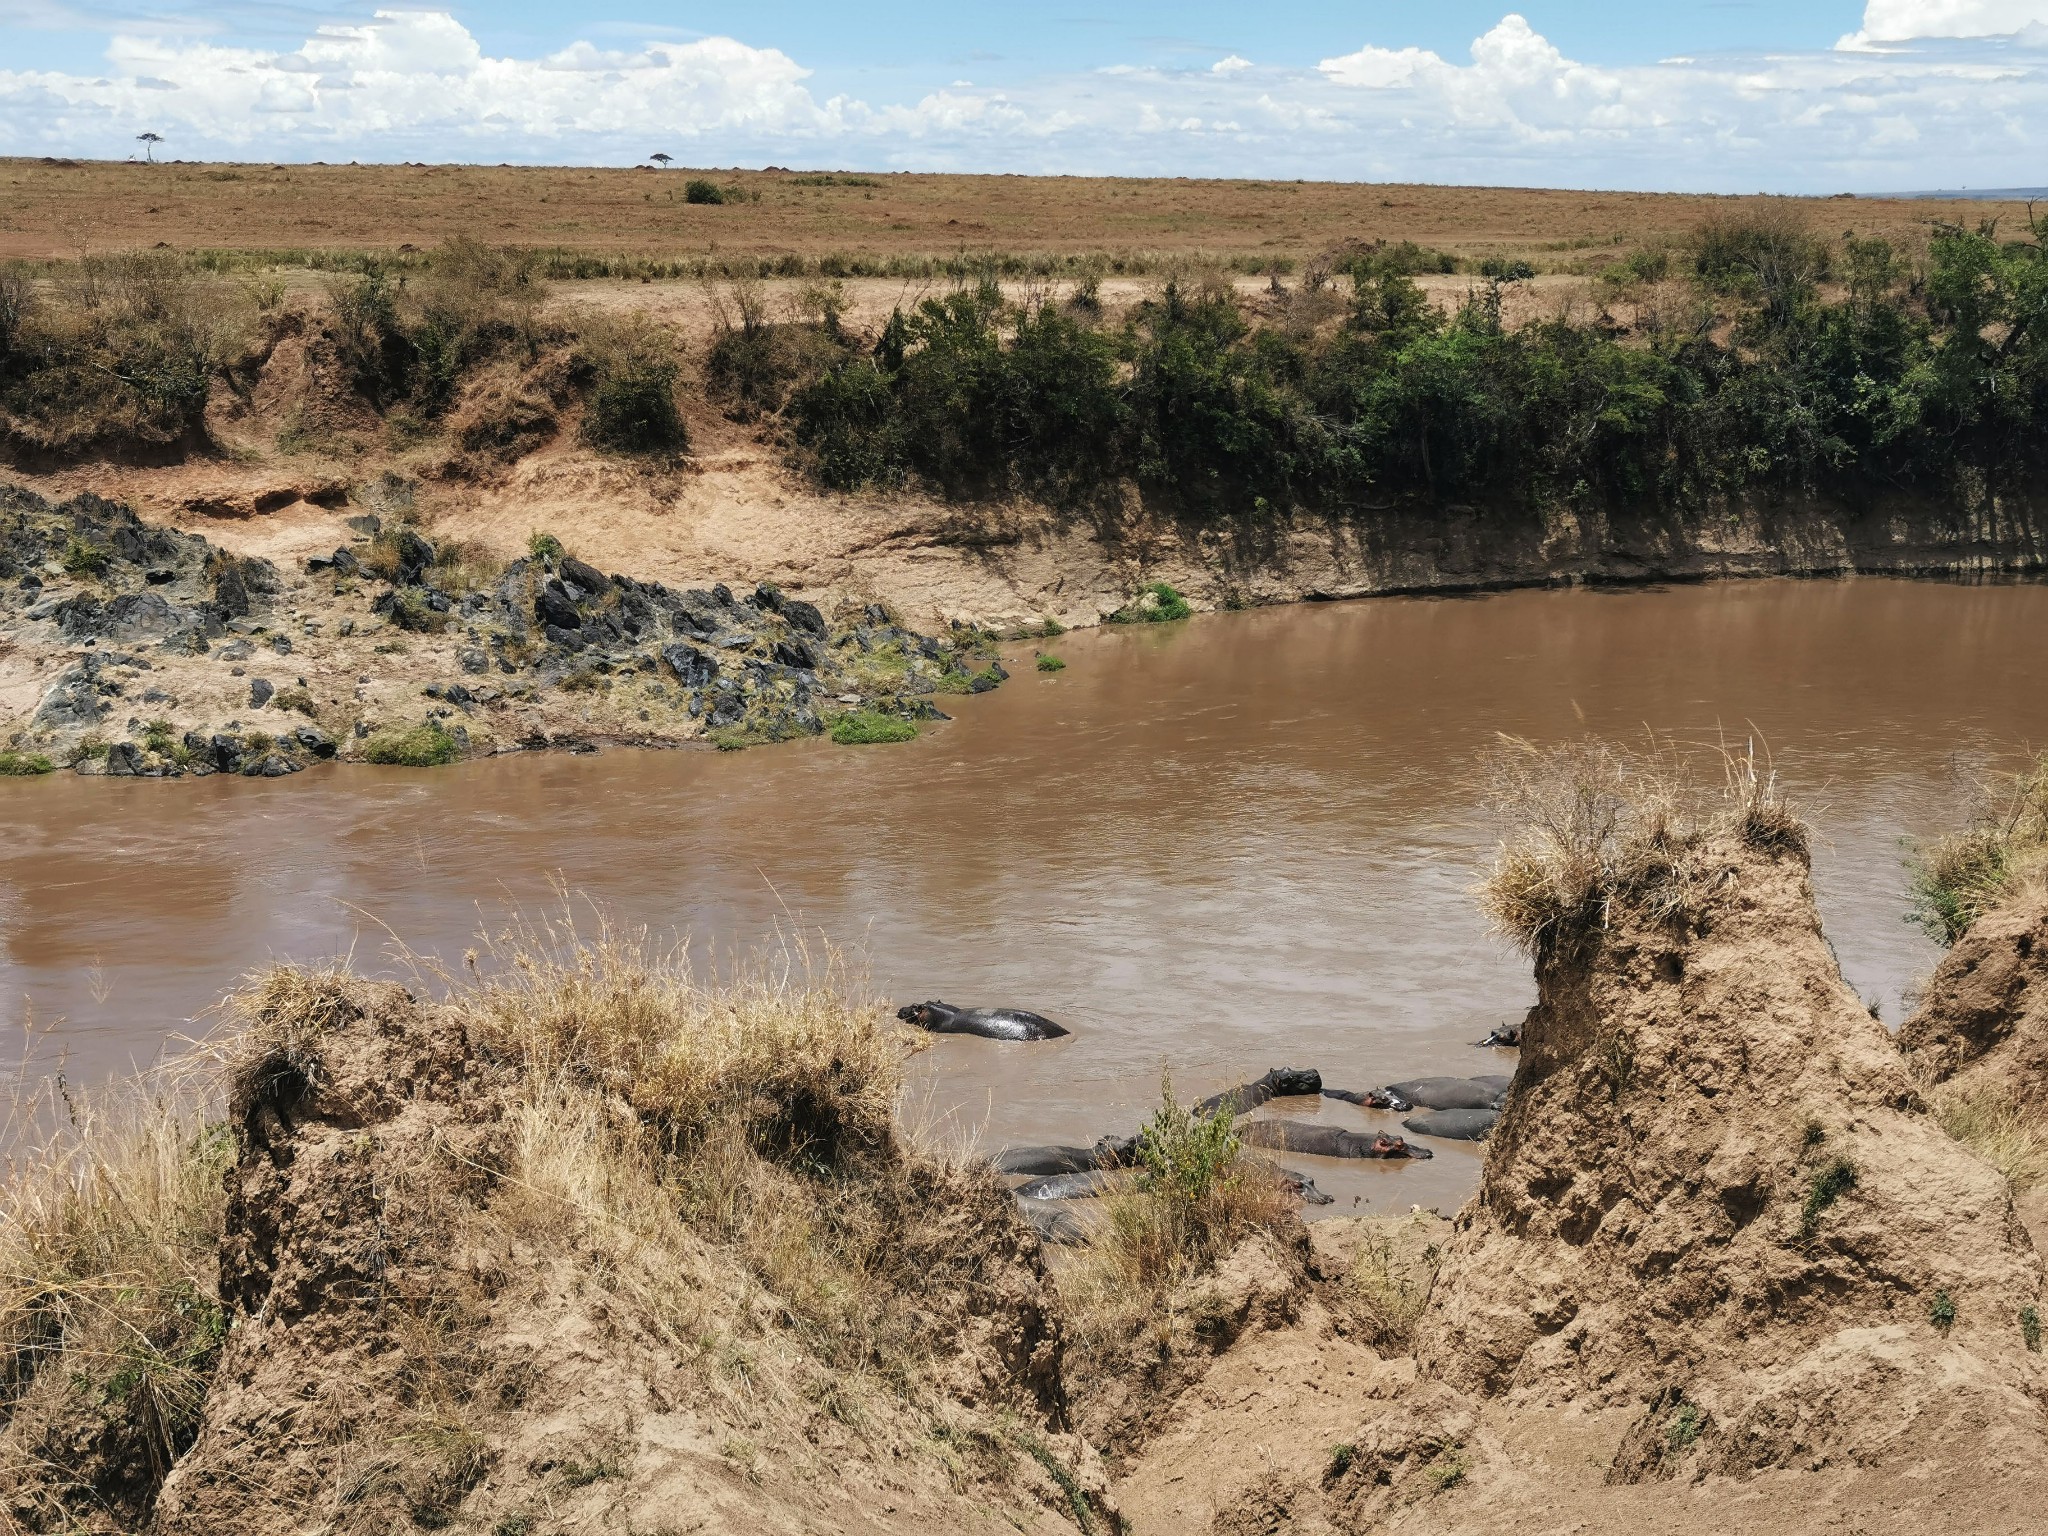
1370, 1098
1500, 1080
1447, 1093
989, 1023
1080, 1185
1453, 1124
1325, 1140
1280, 1083
1109, 1152
1052, 1221
1300, 1185
1502, 1034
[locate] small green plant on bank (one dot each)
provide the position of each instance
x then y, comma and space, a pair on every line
1050, 628
423, 746
1829, 1185
869, 727
1051, 664
92, 747
1156, 603
299, 699
1077, 1501
158, 737
1449, 1468
1941, 1311
82, 557
1957, 879
2030, 1328
1685, 1426
24, 765
1341, 1458
544, 547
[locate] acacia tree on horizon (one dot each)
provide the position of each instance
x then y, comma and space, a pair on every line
660, 159
149, 142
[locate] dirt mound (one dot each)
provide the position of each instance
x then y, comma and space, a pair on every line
1984, 1017
425, 1337
1715, 1190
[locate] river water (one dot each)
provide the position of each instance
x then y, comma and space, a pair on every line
1215, 847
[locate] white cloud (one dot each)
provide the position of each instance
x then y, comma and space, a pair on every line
1963, 109
1891, 21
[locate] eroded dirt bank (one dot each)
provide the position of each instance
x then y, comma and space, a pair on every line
582, 1247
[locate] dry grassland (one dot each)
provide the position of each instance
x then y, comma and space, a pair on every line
56, 208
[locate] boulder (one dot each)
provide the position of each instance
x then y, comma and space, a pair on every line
692, 668
554, 607
260, 692
124, 760
792, 651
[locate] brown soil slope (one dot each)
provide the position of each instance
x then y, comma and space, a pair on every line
1984, 1019
1648, 1319
418, 1344
1715, 1185
55, 206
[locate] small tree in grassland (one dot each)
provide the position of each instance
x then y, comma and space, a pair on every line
660, 159
149, 142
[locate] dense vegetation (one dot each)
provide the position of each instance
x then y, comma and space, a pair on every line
1782, 364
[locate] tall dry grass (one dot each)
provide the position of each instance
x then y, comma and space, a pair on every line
1998, 1127
1592, 823
110, 1225
2001, 851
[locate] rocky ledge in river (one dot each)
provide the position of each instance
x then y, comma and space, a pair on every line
129, 649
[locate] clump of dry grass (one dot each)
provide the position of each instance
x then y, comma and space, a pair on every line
1991, 1122
1390, 1279
1592, 823
2000, 852
110, 1224
782, 1048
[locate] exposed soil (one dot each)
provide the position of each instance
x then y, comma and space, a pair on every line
1984, 1018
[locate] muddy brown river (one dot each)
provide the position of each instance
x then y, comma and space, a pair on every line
1216, 847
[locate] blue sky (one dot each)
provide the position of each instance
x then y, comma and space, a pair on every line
1727, 95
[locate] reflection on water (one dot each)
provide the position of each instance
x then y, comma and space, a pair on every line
1217, 847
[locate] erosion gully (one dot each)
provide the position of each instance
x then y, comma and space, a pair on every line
1209, 848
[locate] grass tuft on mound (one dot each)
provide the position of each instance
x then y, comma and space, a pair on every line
1156, 603
1590, 823
869, 727
2004, 848
422, 746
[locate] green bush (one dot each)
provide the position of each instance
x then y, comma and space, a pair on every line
633, 407
544, 547
1941, 1311
868, 727
422, 746
23, 765
2030, 1328
1506, 270
1156, 603
1051, 664
698, 190
82, 557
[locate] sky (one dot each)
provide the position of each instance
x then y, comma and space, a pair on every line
1679, 95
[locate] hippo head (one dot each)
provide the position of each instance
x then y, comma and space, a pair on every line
1388, 1099
1384, 1145
919, 1014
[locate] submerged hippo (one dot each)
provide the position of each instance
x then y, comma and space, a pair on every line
1279, 1083
1109, 1152
989, 1023
1503, 1034
1081, 1185
1447, 1093
1453, 1124
1053, 1222
1300, 1185
1326, 1140
1369, 1098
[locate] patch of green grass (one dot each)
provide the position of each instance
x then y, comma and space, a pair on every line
300, 699
1156, 603
1051, 664
1829, 1185
1341, 1457
1077, 1501
256, 743
1941, 1311
544, 547
2030, 1328
82, 557
1050, 628
24, 765
869, 727
158, 737
1449, 1468
92, 747
1685, 1426
423, 746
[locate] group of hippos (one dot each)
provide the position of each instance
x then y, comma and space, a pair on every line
1460, 1109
